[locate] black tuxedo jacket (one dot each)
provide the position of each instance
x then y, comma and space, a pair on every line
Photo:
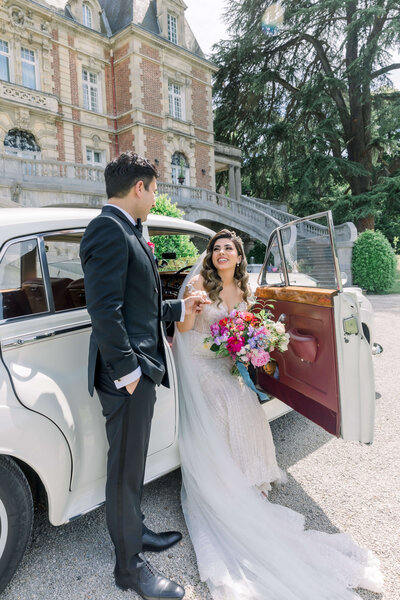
124, 300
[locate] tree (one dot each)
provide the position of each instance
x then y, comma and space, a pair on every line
300, 101
178, 244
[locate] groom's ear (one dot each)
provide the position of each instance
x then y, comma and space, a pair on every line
138, 187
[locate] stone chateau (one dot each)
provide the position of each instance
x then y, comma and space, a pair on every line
83, 80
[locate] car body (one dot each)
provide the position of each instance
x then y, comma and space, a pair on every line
52, 434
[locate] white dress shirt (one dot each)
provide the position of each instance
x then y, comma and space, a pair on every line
136, 374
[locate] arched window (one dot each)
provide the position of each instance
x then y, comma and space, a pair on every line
21, 143
87, 15
180, 169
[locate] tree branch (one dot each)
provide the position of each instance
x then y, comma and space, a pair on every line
385, 70
335, 93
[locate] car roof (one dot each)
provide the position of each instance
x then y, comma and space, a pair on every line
16, 222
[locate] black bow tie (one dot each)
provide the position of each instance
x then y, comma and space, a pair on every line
139, 225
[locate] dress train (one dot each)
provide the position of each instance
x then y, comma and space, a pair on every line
248, 548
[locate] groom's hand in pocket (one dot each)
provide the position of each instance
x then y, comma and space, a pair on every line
131, 387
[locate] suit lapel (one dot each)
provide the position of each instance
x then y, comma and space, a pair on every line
110, 209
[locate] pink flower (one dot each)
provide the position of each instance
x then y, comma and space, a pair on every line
234, 345
260, 359
151, 246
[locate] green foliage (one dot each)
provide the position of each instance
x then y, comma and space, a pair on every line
258, 252
310, 105
374, 262
180, 244
164, 206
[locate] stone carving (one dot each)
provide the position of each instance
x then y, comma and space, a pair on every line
15, 191
96, 141
17, 17
28, 97
22, 119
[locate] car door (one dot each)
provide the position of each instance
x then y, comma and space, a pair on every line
45, 350
327, 373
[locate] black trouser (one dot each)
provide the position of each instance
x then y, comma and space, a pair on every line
128, 424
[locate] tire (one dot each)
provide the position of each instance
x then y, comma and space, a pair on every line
16, 518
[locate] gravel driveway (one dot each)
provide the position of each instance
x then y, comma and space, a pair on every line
338, 486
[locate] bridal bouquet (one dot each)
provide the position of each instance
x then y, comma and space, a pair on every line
247, 338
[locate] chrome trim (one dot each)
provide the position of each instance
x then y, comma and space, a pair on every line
25, 238
261, 279
45, 274
376, 349
283, 257
18, 341
331, 229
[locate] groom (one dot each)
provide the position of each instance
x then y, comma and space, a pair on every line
127, 360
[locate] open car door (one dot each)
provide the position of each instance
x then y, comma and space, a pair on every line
327, 373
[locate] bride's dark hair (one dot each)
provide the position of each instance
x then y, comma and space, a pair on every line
211, 280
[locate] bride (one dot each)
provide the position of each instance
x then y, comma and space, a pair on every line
247, 548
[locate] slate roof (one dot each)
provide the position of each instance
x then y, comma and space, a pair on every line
121, 13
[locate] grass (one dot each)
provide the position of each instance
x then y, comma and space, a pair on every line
395, 289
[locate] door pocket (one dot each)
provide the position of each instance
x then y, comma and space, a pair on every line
304, 345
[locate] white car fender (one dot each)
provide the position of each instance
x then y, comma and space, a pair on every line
21, 435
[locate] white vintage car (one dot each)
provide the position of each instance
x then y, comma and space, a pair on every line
52, 436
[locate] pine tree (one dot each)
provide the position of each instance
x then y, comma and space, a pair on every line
300, 101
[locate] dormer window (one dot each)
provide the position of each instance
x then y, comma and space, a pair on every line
172, 29
86, 15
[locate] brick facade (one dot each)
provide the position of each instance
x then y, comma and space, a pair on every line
154, 149
200, 102
203, 163
78, 144
133, 106
151, 88
123, 85
55, 64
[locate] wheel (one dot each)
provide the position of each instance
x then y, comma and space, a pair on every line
16, 518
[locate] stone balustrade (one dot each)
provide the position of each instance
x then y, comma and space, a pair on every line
47, 182
24, 95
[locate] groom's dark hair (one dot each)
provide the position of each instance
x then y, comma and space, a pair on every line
122, 173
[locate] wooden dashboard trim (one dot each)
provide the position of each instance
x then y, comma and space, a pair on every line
300, 295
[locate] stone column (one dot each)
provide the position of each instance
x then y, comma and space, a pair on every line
232, 182
238, 183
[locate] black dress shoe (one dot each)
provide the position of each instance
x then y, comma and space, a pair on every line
157, 542
149, 583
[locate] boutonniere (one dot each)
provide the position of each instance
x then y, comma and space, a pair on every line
151, 246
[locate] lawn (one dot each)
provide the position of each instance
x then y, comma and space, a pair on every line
395, 289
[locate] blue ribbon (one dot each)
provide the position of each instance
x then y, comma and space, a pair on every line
246, 378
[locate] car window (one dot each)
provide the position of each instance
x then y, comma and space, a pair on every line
65, 270
308, 254
176, 250
22, 289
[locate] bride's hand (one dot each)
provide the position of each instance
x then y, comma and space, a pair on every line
195, 302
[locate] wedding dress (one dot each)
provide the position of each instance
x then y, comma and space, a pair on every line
246, 547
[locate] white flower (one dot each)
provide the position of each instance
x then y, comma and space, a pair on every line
280, 327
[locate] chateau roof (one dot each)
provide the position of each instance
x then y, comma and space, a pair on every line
121, 13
